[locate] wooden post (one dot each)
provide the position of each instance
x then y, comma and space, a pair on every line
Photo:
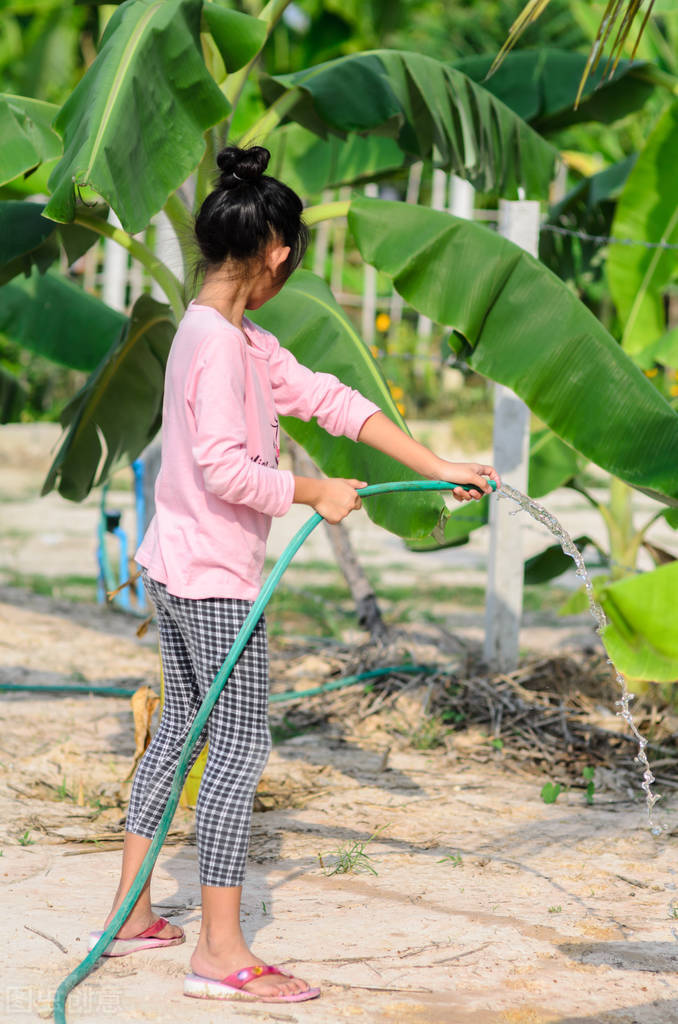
519, 222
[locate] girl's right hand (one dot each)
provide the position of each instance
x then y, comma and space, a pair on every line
337, 497
333, 499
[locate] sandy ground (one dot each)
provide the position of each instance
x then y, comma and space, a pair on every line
487, 905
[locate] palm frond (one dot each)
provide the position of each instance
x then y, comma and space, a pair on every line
619, 15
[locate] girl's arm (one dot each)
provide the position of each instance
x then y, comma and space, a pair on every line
335, 498
381, 433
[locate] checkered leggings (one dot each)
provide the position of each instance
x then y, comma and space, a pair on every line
195, 638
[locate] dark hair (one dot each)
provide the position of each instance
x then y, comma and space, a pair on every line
248, 209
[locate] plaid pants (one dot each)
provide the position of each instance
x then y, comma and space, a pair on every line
195, 638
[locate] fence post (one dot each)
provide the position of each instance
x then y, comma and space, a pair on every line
369, 311
519, 222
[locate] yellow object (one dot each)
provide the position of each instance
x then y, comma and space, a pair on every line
651, 373
189, 794
383, 322
673, 390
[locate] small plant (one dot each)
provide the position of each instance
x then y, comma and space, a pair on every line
588, 774
25, 839
431, 733
62, 792
556, 910
550, 792
351, 858
452, 858
497, 743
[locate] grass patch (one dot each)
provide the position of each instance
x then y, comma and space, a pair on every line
70, 588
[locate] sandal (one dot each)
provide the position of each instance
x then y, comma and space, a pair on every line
147, 939
232, 986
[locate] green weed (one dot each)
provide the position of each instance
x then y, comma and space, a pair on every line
588, 774
431, 733
550, 792
452, 858
556, 910
25, 839
351, 858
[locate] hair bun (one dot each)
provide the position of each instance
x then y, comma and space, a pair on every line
238, 165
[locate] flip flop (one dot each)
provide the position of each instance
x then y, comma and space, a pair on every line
144, 940
231, 987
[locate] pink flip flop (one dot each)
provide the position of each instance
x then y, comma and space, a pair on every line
232, 987
147, 939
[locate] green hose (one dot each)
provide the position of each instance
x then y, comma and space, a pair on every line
203, 713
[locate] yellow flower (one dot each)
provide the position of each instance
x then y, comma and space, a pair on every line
652, 373
396, 391
401, 408
383, 322
673, 390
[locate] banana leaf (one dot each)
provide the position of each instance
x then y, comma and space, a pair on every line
118, 411
641, 638
28, 239
58, 320
309, 164
431, 109
306, 319
552, 463
12, 397
27, 137
590, 208
238, 37
541, 87
553, 562
663, 350
516, 323
133, 127
647, 211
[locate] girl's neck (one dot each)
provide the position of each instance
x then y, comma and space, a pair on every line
228, 295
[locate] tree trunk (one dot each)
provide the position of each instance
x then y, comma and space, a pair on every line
367, 606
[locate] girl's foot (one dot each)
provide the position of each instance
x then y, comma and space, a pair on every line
218, 966
139, 921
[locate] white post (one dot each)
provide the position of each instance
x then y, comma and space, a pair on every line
411, 196
369, 311
438, 202
519, 222
462, 194
167, 248
114, 284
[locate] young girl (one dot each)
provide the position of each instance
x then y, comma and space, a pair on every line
227, 381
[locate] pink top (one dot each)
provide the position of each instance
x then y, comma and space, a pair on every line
219, 484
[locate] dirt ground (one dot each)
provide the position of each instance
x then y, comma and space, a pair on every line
487, 904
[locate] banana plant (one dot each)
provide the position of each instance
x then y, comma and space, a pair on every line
193, 65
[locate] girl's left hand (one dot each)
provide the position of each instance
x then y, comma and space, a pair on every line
469, 473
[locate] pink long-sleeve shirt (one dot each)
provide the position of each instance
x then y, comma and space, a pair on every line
219, 484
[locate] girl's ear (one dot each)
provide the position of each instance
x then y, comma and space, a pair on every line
276, 257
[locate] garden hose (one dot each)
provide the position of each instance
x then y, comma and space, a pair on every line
203, 713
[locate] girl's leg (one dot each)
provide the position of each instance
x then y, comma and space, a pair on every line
239, 746
153, 778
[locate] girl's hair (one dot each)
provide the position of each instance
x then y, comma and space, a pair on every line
248, 209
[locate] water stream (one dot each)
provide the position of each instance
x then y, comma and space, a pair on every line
539, 513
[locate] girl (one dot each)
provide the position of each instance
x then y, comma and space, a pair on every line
227, 381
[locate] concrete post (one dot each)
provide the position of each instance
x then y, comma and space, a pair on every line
519, 222
369, 311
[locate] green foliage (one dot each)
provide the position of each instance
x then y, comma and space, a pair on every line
641, 637
515, 323
118, 411
588, 772
646, 210
432, 110
550, 792
350, 858
27, 136
148, 75
54, 318
28, 239
541, 86
238, 36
